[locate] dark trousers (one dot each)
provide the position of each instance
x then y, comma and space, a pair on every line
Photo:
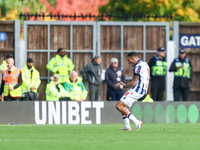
181, 91
30, 96
157, 90
9, 98
114, 95
95, 91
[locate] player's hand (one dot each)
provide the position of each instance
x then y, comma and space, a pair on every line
1, 97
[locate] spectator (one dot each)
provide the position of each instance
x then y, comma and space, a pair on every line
92, 73
183, 74
31, 81
61, 65
11, 82
75, 87
114, 75
3, 66
54, 90
158, 65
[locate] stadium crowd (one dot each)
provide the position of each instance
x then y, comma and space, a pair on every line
65, 85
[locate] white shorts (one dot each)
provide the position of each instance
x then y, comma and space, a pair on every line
130, 97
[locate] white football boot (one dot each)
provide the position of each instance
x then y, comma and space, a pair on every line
139, 126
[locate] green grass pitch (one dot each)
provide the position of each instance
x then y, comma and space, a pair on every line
100, 137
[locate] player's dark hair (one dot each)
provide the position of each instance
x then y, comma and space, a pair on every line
132, 54
59, 49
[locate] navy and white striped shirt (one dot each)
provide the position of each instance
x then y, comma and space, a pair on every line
142, 70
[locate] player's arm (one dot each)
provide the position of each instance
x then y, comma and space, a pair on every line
128, 85
133, 82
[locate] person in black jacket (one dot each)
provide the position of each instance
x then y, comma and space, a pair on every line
158, 65
114, 75
92, 73
183, 73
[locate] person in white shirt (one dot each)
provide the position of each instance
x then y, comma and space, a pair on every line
138, 88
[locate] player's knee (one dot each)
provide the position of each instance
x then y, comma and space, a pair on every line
118, 106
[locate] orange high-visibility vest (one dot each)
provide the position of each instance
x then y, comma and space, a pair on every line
10, 80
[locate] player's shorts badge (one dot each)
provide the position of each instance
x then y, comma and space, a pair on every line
126, 93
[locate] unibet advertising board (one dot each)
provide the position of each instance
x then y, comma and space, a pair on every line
96, 112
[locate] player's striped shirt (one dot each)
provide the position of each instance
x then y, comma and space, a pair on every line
142, 70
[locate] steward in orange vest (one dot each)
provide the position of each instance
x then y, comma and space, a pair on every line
11, 82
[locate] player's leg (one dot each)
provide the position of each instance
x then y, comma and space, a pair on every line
122, 108
137, 123
127, 100
119, 94
127, 122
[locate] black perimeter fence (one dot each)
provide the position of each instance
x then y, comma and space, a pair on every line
100, 16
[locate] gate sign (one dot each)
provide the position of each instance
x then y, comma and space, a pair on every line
189, 40
3, 36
